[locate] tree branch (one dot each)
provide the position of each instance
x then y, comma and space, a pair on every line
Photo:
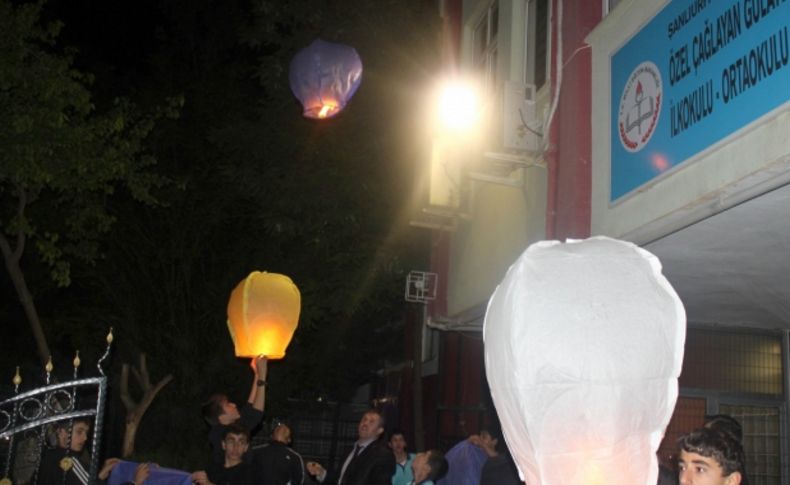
5, 247
149, 396
126, 397
20, 237
136, 410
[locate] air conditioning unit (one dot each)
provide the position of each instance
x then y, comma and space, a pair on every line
522, 127
421, 286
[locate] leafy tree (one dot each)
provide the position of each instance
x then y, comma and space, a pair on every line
61, 158
260, 188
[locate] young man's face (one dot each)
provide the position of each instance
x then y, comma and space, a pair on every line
282, 433
398, 443
230, 413
487, 440
235, 445
695, 469
419, 466
370, 426
79, 435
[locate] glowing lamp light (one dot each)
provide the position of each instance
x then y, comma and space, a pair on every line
583, 348
263, 313
324, 76
458, 107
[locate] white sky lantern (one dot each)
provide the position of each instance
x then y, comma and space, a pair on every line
583, 348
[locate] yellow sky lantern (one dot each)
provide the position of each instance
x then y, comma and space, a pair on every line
263, 313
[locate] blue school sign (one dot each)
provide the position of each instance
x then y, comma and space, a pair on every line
696, 73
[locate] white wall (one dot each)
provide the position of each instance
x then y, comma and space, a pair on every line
503, 220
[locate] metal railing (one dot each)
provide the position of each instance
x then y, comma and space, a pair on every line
29, 420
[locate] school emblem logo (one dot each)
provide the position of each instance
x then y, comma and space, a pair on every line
640, 106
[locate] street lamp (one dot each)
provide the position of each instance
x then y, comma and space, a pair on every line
457, 108
454, 129
263, 313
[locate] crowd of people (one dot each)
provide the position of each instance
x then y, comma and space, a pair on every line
712, 455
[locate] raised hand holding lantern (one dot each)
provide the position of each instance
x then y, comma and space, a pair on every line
324, 76
583, 348
263, 313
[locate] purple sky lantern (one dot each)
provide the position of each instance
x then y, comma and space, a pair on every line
324, 76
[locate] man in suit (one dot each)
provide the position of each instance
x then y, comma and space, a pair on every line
370, 462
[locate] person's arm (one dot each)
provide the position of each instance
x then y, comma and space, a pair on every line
258, 392
201, 478
141, 473
254, 387
316, 470
107, 467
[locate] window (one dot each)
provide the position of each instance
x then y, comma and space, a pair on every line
741, 374
485, 45
761, 435
760, 441
537, 42
733, 362
689, 415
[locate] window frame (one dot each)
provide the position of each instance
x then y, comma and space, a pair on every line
531, 43
485, 56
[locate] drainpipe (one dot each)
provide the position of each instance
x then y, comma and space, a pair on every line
551, 151
784, 447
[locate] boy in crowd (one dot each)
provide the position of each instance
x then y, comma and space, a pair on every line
709, 457
66, 458
220, 412
723, 423
499, 468
403, 459
429, 466
275, 463
233, 470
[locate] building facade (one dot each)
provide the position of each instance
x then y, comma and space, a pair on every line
665, 123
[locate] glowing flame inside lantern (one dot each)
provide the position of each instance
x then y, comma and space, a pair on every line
326, 110
263, 313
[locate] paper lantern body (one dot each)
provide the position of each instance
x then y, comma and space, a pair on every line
583, 348
263, 313
324, 76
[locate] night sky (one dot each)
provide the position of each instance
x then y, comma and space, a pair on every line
247, 183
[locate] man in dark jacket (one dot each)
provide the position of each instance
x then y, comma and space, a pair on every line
220, 413
370, 462
275, 463
63, 464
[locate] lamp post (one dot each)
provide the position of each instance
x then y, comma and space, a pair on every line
263, 313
